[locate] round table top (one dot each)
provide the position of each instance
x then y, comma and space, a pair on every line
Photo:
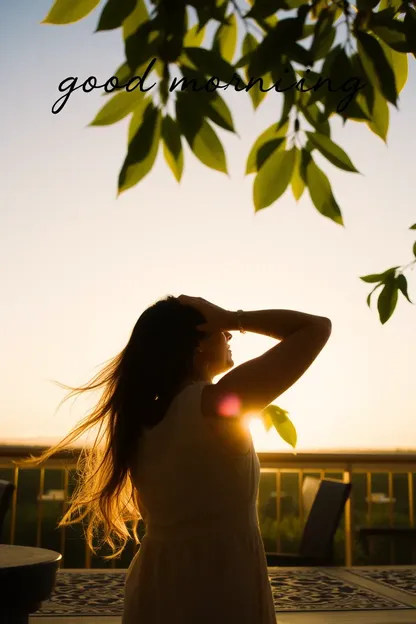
12, 556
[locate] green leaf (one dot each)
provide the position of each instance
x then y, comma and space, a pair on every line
69, 11
333, 152
378, 277
172, 146
265, 8
287, 432
414, 248
210, 63
401, 282
355, 113
172, 26
398, 62
294, 4
281, 422
114, 14
250, 43
370, 278
217, 110
273, 178
313, 114
413, 227
366, 5
337, 66
267, 23
225, 39
376, 66
142, 150
394, 38
258, 91
324, 35
324, 43
308, 30
194, 37
210, 11
143, 44
297, 181
256, 157
199, 135
123, 75
317, 8
280, 40
409, 26
118, 107
386, 4
321, 193
267, 421
298, 53
400, 67
369, 296
208, 104
261, 60
266, 150
373, 105
137, 117
380, 116
138, 17
289, 96
387, 301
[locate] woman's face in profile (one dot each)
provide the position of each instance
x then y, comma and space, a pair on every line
217, 352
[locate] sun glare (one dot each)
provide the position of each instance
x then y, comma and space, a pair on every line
264, 440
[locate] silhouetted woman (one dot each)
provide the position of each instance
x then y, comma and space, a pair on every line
174, 449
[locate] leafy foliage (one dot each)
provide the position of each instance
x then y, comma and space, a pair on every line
391, 283
292, 47
274, 416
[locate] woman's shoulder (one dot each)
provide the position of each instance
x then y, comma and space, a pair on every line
230, 433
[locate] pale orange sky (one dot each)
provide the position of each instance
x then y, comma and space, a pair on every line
77, 266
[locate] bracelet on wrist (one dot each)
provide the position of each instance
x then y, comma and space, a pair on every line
239, 322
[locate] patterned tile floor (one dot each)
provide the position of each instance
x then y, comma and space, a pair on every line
312, 596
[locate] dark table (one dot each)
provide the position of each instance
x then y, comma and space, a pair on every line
365, 533
27, 578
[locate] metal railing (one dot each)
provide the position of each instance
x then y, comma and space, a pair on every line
397, 470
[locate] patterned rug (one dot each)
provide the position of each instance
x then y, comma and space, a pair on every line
404, 579
101, 594
311, 590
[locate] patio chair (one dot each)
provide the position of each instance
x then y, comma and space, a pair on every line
6, 493
324, 502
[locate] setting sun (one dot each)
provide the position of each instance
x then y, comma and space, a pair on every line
264, 440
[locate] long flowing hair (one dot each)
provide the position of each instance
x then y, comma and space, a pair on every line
137, 387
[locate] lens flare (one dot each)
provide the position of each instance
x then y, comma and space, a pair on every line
264, 441
229, 405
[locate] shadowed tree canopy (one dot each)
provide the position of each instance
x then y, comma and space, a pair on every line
326, 58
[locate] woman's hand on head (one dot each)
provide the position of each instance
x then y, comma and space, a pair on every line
217, 318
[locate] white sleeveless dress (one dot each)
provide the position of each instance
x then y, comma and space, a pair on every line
202, 560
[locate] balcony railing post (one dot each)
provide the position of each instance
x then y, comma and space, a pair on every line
369, 498
64, 508
411, 500
278, 508
40, 507
348, 520
14, 505
300, 499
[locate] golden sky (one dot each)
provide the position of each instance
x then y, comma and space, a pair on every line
77, 266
